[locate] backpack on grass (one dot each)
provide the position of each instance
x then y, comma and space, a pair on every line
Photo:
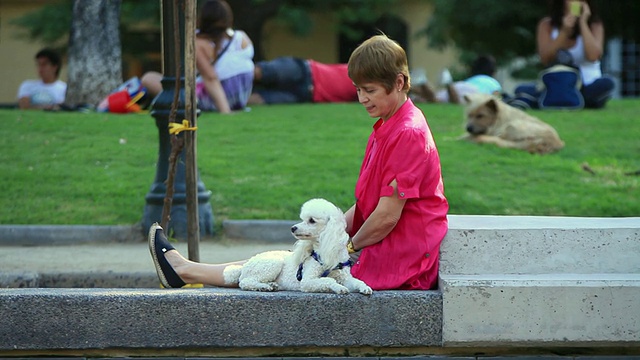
559, 86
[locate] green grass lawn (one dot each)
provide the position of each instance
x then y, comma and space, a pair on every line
74, 168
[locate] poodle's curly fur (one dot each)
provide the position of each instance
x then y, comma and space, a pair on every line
322, 231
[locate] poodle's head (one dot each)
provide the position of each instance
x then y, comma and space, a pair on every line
320, 218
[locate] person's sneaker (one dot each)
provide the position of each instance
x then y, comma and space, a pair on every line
445, 77
519, 104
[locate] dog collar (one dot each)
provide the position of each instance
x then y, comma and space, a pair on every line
326, 273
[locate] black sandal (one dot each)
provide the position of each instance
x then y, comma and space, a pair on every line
158, 245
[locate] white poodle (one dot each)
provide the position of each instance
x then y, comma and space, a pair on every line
319, 261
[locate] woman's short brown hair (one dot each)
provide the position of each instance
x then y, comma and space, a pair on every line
379, 59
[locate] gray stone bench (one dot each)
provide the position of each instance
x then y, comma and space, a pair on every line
52, 320
508, 285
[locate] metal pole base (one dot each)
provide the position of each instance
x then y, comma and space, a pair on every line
155, 197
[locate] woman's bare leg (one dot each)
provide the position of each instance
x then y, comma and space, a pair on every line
174, 270
199, 273
152, 82
454, 98
255, 99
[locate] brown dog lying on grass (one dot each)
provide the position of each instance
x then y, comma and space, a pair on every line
491, 121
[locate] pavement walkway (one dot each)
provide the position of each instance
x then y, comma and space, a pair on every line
117, 257
68, 248
97, 256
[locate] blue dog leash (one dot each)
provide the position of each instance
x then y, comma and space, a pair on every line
326, 273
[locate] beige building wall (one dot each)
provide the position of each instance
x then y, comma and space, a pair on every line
416, 15
322, 43
17, 62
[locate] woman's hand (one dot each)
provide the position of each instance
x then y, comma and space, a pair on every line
586, 12
592, 35
568, 23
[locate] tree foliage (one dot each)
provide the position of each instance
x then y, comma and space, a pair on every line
507, 29
296, 15
620, 18
504, 28
49, 24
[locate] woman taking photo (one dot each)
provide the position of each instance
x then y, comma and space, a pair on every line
573, 34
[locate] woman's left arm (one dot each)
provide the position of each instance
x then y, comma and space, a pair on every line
592, 36
381, 221
211, 81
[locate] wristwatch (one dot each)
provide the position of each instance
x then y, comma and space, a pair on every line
350, 247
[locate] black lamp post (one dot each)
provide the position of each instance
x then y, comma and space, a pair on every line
161, 110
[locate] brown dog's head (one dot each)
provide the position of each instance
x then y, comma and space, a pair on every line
481, 113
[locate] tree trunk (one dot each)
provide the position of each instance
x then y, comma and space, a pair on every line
95, 55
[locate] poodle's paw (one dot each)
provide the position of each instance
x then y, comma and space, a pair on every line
339, 289
364, 289
258, 286
268, 287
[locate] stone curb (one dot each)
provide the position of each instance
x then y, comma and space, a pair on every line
47, 235
43, 235
259, 230
69, 235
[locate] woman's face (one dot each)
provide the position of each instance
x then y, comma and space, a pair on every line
373, 96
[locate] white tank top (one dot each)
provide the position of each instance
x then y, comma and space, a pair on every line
590, 69
235, 60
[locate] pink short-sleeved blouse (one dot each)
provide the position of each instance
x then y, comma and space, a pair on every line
402, 148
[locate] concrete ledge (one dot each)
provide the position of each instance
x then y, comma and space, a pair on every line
91, 279
541, 281
68, 319
19, 279
546, 310
539, 245
37, 235
109, 279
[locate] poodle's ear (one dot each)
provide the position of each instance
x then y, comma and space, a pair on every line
333, 239
336, 227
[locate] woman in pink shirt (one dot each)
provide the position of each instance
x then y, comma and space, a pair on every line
400, 215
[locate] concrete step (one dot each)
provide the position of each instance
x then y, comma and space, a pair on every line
549, 281
478, 244
552, 309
